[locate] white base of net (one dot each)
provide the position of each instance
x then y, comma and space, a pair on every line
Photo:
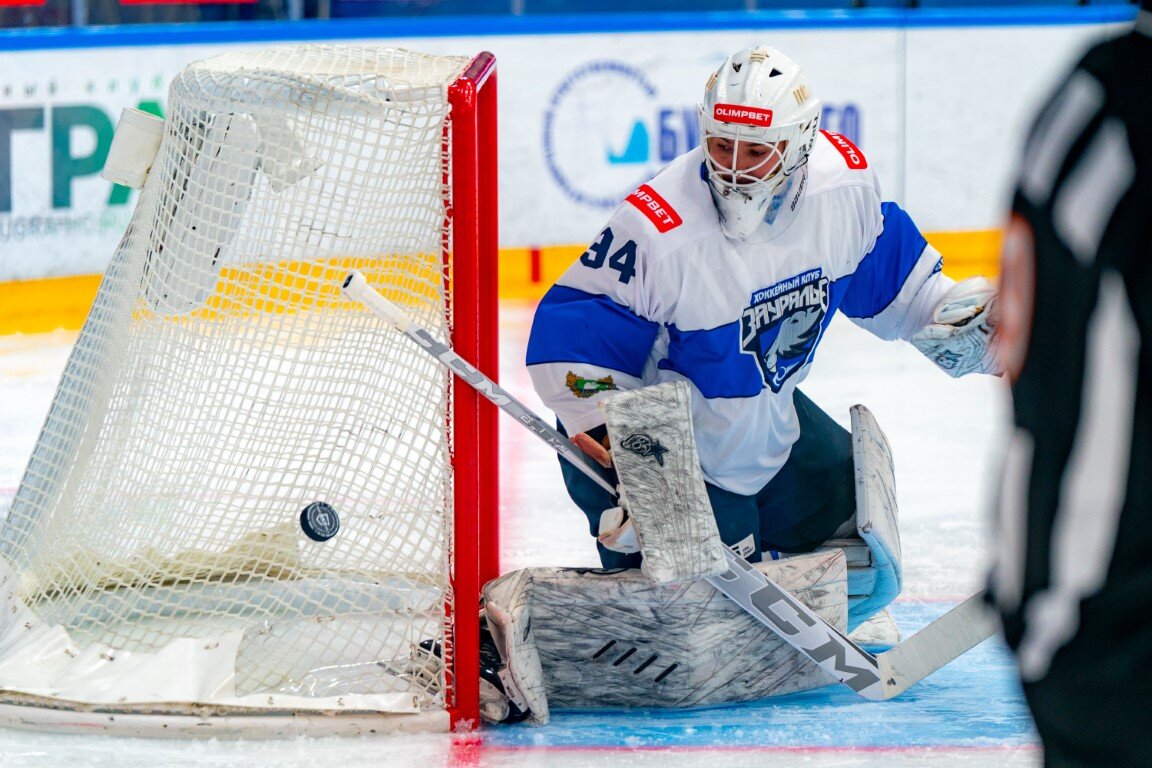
271, 669
30, 713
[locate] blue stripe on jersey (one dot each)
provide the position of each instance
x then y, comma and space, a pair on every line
573, 326
881, 274
712, 360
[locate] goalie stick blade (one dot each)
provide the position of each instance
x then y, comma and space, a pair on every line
943, 640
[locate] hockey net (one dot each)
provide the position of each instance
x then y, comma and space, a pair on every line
157, 559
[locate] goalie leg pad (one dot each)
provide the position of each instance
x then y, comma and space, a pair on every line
661, 483
508, 606
601, 638
876, 516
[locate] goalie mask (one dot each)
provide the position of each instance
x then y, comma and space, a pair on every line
758, 124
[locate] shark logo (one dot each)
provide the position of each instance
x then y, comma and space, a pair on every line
782, 324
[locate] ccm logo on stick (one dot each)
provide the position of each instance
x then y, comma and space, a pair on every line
655, 208
853, 156
735, 113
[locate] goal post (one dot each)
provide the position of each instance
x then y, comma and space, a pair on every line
250, 501
474, 211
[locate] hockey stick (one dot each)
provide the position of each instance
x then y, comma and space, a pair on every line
876, 677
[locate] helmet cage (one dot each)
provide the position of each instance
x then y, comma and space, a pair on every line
788, 144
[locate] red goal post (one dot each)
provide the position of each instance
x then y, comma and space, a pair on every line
474, 297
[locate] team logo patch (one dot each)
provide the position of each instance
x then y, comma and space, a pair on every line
644, 445
582, 387
852, 155
782, 324
656, 208
737, 113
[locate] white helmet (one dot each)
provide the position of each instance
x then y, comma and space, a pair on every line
758, 96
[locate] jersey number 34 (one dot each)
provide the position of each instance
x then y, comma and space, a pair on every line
623, 260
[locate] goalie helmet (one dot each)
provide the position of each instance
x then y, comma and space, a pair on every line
758, 97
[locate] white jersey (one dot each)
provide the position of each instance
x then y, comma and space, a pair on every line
664, 295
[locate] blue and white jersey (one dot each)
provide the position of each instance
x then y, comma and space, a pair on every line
663, 295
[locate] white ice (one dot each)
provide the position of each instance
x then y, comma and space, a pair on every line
945, 435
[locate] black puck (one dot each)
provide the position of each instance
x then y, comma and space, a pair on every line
319, 521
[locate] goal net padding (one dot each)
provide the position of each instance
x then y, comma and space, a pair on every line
157, 558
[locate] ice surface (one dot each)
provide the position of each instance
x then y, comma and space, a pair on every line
945, 435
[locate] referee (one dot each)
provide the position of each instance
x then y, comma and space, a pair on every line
1073, 574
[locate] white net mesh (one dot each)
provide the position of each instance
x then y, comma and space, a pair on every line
222, 384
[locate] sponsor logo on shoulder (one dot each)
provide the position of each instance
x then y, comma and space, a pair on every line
852, 154
738, 113
644, 445
656, 208
582, 387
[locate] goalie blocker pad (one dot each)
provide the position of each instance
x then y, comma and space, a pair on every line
661, 483
578, 638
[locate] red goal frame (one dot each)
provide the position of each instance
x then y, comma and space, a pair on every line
473, 299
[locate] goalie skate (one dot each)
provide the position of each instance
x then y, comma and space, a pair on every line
499, 701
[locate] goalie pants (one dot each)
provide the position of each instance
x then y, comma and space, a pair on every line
799, 509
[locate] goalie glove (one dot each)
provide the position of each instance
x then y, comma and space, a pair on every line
962, 337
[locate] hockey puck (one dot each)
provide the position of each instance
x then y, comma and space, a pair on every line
319, 521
